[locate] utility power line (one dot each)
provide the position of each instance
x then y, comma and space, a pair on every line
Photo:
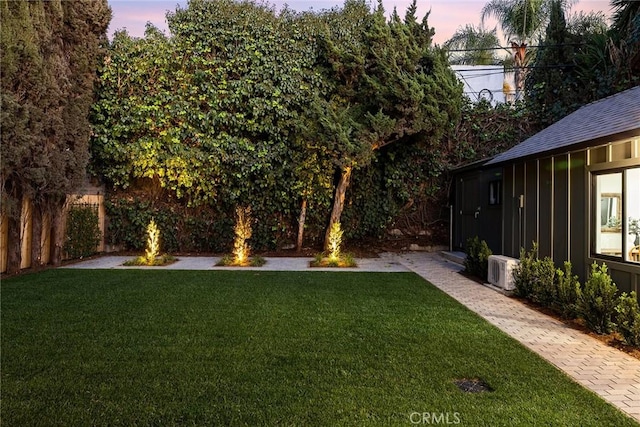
509, 47
510, 69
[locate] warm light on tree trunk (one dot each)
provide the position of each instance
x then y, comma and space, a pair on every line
338, 202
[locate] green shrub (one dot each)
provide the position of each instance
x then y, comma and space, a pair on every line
534, 278
143, 261
346, 259
83, 231
257, 261
597, 302
477, 260
228, 260
225, 261
349, 260
543, 288
567, 289
628, 318
523, 274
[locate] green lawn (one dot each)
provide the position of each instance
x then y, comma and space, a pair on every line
265, 348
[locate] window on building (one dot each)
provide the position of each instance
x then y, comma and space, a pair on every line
495, 193
632, 225
616, 214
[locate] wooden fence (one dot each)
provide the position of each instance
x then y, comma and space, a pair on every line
26, 229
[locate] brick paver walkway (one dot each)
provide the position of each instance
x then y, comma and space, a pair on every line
612, 374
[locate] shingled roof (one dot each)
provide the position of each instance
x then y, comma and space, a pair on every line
609, 116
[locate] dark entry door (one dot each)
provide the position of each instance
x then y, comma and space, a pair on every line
469, 210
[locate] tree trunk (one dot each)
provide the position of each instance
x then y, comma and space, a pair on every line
14, 254
36, 236
57, 233
338, 202
301, 220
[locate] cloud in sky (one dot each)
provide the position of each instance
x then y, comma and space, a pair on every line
446, 15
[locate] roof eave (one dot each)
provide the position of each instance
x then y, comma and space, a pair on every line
631, 133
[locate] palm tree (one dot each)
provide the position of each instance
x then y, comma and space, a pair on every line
524, 21
625, 46
473, 45
626, 15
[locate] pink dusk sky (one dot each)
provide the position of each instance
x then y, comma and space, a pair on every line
446, 15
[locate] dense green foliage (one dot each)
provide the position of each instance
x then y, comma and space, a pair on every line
82, 231
136, 347
597, 300
539, 281
211, 116
49, 55
477, 260
543, 289
535, 278
567, 291
245, 106
484, 131
182, 229
628, 318
580, 61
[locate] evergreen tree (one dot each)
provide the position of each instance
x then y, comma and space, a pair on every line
551, 85
49, 54
389, 85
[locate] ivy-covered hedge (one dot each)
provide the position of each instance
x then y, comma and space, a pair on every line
242, 106
82, 231
182, 229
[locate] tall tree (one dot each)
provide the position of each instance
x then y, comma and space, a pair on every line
607, 60
522, 21
551, 86
388, 86
49, 51
625, 17
473, 45
23, 76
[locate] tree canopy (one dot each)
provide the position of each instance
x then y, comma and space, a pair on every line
476, 46
49, 55
578, 61
245, 105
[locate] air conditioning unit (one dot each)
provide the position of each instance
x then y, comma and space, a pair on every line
501, 271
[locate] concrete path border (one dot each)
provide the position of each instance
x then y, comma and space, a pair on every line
386, 263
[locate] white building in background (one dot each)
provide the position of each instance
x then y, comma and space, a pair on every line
488, 82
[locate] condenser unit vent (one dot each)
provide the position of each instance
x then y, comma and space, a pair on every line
501, 271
